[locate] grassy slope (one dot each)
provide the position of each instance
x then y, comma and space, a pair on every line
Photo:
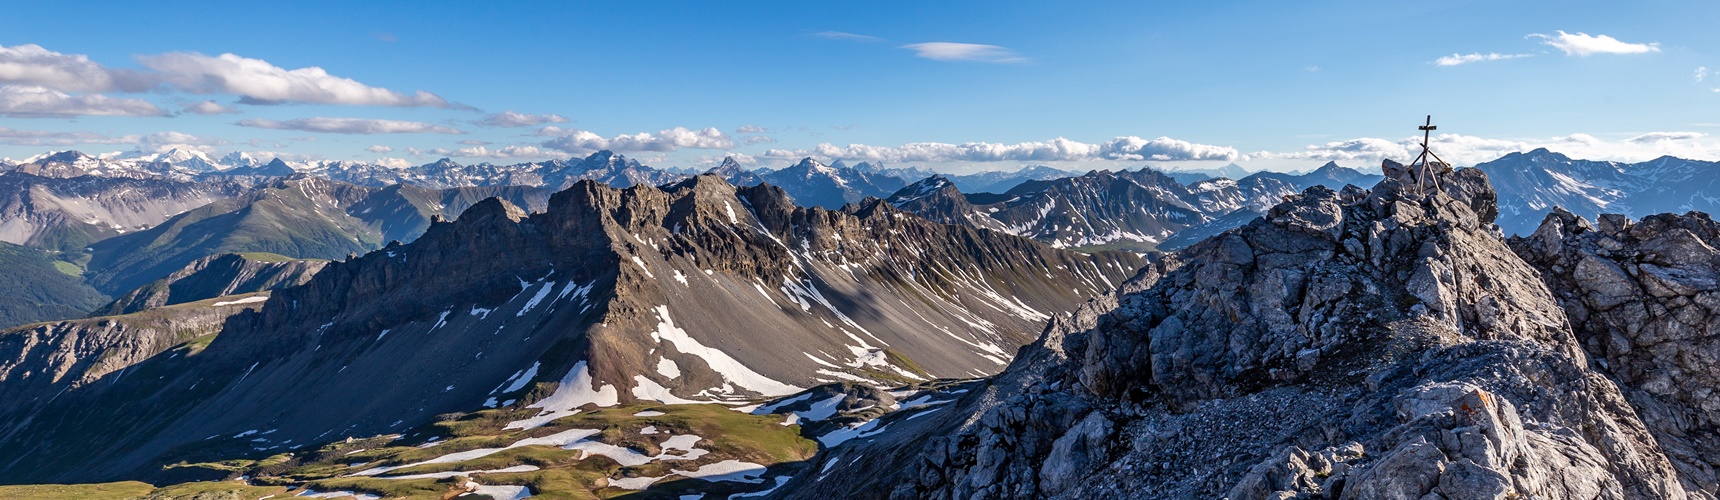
34, 287
126, 490
728, 435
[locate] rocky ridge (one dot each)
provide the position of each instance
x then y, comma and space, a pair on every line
1644, 298
215, 276
1380, 343
696, 292
42, 361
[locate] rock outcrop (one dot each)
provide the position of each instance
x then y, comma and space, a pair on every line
1644, 298
1362, 344
215, 276
39, 362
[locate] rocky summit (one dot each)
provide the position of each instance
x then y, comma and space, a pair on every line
1355, 343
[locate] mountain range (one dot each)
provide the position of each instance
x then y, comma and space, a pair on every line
599, 328
693, 292
1137, 209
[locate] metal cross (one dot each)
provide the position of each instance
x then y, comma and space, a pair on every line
1427, 131
1422, 169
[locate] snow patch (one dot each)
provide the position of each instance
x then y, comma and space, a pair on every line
731, 369
536, 298
575, 391
246, 300
668, 368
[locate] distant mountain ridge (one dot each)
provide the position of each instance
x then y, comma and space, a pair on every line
1531, 184
1136, 209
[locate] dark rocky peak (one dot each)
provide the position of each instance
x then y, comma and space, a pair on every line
1541, 154
1396, 254
606, 160
727, 168
491, 211
922, 188
807, 166
276, 167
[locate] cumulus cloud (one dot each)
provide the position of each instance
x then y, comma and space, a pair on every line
512, 119
33, 101
209, 107
515, 151
758, 139
751, 129
350, 126
952, 51
33, 65
1701, 73
1165, 149
1458, 59
1059, 149
378, 148
1584, 45
582, 142
258, 82
393, 162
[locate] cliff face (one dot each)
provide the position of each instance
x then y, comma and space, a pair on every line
696, 292
41, 362
215, 276
1355, 344
1644, 298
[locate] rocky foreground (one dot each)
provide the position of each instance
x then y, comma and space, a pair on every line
1375, 343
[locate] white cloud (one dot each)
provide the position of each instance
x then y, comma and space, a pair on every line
752, 129
350, 126
1165, 149
209, 107
511, 119
34, 101
475, 142
394, 162
838, 35
1457, 59
1701, 73
582, 142
758, 139
171, 137
516, 151
952, 51
1665, 136
1470, 150
378, 148
258, 82
1584, 45
1059, 149
33, 65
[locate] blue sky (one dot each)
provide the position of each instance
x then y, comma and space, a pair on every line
958, 86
